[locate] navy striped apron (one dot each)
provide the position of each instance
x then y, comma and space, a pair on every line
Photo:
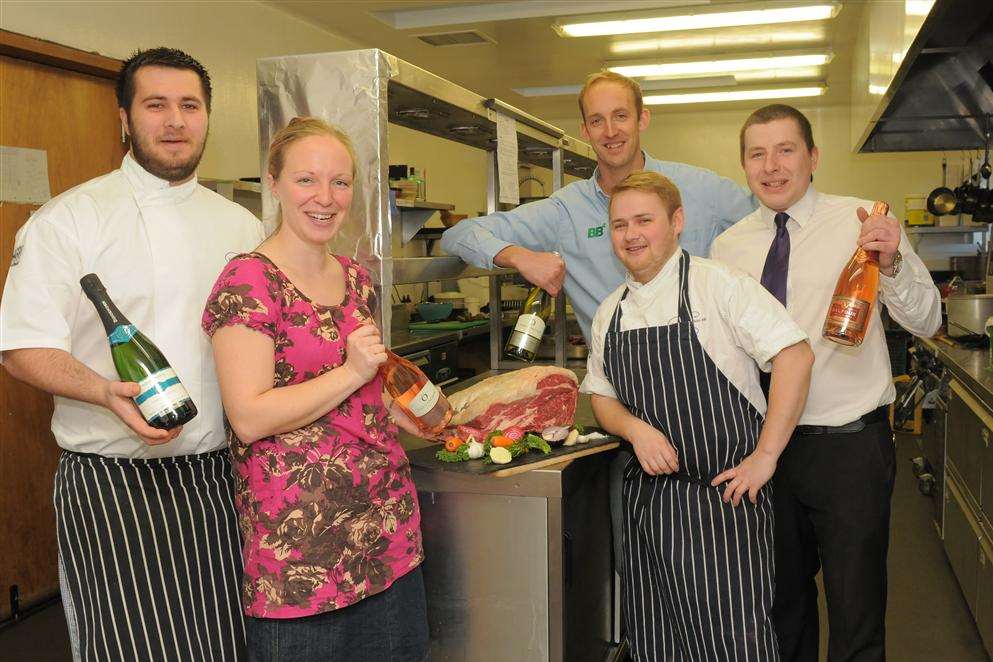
150, 557
698, 573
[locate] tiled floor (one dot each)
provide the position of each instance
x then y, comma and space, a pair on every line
928, 620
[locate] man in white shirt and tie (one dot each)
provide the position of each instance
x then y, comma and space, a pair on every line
835, 478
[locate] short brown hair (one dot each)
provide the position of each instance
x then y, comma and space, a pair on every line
778, 111
611, 77
297, 129
652, 182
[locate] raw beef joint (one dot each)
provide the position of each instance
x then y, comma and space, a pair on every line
532, 398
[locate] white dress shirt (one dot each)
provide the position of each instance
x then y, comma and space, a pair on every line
158, 249
847, 382
737, 321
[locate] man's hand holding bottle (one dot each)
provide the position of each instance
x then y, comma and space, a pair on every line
546, 270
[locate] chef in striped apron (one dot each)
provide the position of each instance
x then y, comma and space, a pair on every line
149, 552
674, 370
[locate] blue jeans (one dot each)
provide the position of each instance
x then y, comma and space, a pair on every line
391, 626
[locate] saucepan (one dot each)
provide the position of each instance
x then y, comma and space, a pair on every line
942, 200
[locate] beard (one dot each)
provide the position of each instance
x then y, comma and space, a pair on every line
172, 171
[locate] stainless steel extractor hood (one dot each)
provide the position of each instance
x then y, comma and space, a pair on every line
943, 90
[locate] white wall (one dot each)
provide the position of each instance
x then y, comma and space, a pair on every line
227, 37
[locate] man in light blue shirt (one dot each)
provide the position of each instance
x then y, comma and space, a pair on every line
573, 221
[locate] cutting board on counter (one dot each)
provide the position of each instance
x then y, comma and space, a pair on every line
424, 458
446, 326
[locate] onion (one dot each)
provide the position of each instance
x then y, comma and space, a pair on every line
555, 433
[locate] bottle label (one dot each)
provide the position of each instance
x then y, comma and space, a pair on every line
849, 312
531, 325
122, 334
160, 393
420, 400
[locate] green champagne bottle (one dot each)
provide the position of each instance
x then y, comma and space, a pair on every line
526, 336
163, 400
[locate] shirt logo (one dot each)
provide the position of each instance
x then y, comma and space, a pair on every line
17, 255
592, 233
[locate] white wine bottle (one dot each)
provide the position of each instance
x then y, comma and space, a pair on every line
163, 400
526, 336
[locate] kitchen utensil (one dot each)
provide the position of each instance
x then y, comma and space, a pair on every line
942, 200
970, 195
967, 313
986, 170
434, 312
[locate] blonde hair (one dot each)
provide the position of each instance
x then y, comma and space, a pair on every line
611, 77
652, 182
297, 129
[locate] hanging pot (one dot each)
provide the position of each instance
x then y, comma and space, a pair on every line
969, 199
942, 200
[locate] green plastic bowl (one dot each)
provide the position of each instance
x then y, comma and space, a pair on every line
434, 312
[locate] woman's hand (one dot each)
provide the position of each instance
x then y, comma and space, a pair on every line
749, 476
365, 352
403, 421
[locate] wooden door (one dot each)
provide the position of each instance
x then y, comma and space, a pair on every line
72, 116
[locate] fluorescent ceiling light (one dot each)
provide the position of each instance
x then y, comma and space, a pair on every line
448, 14
918, 7
702, 20
647, 85
704, 67
877, 90
723, 40
734, 95
778, 74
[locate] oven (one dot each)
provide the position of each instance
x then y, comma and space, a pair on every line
929, 389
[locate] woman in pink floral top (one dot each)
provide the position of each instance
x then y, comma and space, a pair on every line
328, 512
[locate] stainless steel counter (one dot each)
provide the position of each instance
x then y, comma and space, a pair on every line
405, 341
971, 367
519, 568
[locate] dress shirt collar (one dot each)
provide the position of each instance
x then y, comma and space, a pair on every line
149, 188
596, 176
643, 293
802, 210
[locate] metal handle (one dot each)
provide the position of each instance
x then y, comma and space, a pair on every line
986, 437
567, 557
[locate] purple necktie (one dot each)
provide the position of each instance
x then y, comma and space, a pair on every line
777, 262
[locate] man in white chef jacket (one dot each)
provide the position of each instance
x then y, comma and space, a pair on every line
149, 555
835, 479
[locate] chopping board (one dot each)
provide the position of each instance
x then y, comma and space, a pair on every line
424, 458
446, 326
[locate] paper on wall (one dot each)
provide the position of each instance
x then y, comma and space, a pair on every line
509, 191
24, 175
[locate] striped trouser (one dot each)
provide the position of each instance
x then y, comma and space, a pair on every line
150, 560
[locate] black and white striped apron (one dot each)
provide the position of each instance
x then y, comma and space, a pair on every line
150, 558
698, 573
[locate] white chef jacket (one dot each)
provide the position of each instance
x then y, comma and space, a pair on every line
158, 250
738, 322
847, 382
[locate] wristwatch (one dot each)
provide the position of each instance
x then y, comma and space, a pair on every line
897, 263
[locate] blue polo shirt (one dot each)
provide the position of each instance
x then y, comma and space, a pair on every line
573, 222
